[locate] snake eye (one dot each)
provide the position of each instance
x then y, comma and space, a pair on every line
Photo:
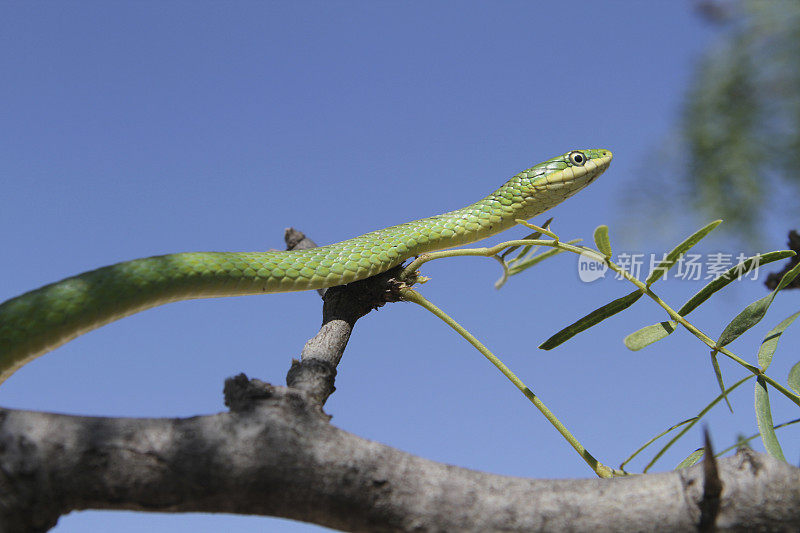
577, 158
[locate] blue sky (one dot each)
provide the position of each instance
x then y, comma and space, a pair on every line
142, 128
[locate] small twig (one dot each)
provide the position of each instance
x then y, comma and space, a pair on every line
315, 372
297, 240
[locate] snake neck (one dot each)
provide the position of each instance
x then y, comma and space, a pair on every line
493, 214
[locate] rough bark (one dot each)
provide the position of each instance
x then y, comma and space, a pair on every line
276, 454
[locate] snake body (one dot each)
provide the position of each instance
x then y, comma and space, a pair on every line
40, 320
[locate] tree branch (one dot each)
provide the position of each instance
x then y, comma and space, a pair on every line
315, 372
277, 455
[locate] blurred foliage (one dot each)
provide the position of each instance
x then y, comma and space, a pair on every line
739, 136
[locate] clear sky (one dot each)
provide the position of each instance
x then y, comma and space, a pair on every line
132, 129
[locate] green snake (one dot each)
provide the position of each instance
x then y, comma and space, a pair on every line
40, 320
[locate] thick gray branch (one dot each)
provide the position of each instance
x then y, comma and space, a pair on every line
279, 456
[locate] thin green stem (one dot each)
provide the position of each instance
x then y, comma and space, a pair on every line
751, 437
694, 421
480, 252
600, 469
494, 250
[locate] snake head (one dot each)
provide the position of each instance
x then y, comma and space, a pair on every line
553, 181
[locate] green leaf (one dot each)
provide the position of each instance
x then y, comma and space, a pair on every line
526, 260
672, 257
770, 342
753, 313
653, 439
544, 231
602, 241
794, 377
526, 263
694, 421
649, 334
764, 419
721, 281
720, 382
746, 319
525, 251
692, 459
532, 236
595, 317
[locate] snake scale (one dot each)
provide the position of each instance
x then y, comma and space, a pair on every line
40, 320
